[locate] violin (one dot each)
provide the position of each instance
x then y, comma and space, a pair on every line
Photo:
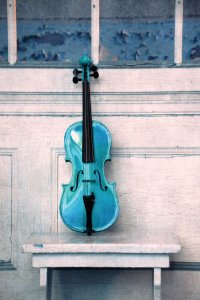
89, 202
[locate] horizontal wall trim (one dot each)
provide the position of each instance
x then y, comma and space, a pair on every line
185, 266
96, 93
145, 80
146, 152
103, 114
155, 152
103, 104
179, 266
14, 93
102, 65
8, 151
6, 266
174, 266
101, 98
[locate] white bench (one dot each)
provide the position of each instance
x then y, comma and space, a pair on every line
51, 251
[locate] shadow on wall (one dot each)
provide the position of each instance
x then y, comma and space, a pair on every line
106, 284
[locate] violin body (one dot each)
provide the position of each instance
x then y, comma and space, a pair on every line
72, 209
89, 202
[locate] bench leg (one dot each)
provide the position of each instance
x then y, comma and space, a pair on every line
156, 284
46, 283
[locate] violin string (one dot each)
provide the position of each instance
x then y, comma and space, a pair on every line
90, 125
87, 122
87, 143
85, 150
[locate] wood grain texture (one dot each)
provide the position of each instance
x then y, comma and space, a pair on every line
95, 31
155, 166
8, 207
139, 243
59, 251
107, 104
12, 31
178, 38
123, 80
43, 277
157, 284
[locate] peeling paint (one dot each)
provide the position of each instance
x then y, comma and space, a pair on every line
52, 38
195, 52
191, 40
120, 40
137, 41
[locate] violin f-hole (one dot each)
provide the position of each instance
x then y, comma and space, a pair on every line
72, 188
105, 188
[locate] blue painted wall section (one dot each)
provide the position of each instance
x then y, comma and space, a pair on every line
53, 42
121, 41
3, 42
145, 41
191, 40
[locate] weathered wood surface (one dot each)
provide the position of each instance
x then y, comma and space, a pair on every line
12, 31
58, 251
157, 284
34, 80
153, 116
95, 31
178, 36
5, 206
101, 243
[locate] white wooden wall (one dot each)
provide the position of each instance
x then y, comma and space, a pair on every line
154, 119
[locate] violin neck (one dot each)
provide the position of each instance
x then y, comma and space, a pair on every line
87, 137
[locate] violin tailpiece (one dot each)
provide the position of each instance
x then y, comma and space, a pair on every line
89, 203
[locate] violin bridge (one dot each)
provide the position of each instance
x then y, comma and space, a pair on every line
89, 180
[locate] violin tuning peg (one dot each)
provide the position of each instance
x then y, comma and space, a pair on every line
96, 75
76, 79
93, 68
76, 72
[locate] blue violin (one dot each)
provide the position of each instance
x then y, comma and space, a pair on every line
89, 202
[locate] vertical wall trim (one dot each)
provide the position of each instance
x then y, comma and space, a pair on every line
95, 31
11, 264
55, 152
178, 35
12, 31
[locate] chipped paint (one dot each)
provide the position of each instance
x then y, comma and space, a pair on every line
38, 245
120, 41
191, 40
139, 41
